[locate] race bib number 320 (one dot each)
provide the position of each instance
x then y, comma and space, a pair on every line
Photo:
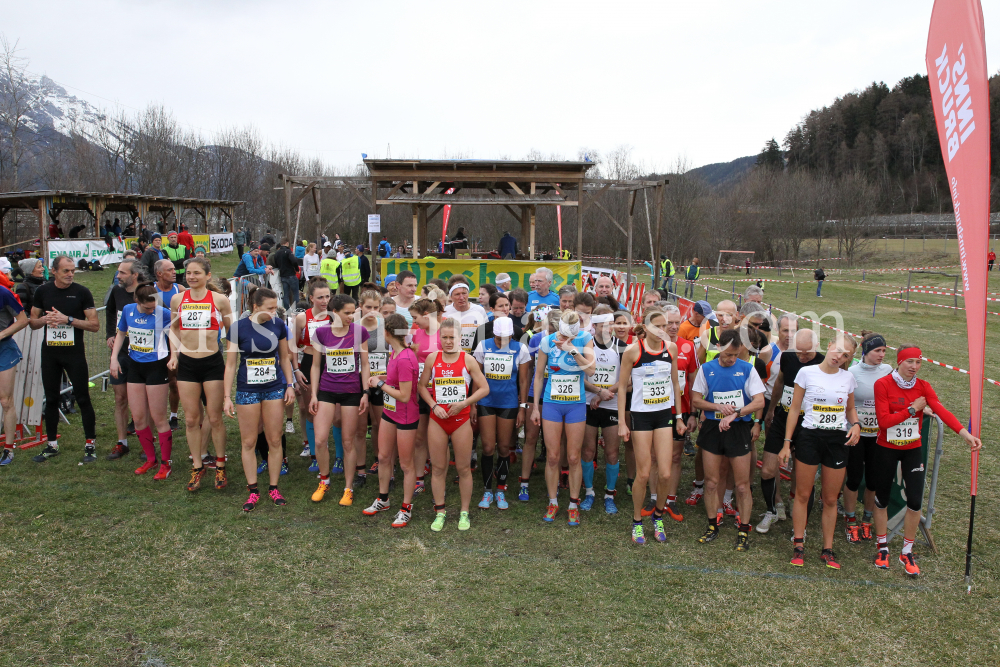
733, 398
869, 422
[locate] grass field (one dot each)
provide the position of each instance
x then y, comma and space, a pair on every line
98, 567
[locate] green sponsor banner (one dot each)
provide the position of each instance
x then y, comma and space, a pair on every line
480, 271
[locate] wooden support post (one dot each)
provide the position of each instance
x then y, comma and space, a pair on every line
371, 242
531, 230
43, 234
524, 230
416, 222
319, 222
423, 228
288, 207
659, 192
579, 221
628, 267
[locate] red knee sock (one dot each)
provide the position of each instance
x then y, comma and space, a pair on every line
166, 445
146, 440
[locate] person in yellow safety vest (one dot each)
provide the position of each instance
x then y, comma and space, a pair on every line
564, 254
350, 269
667, 272
176, 254
328, 268
691, 274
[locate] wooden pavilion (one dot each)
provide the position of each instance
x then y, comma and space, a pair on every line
519, 186
48, 205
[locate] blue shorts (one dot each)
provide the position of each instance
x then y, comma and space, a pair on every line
569, 413
10, 354
255, 397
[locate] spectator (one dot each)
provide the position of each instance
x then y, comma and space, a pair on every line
117, 229
240, 239
364, 264
991, 257
34, 275
185, 239
287, 265
177, 254
74, 232
820, 276
300, 249
503, 282
152, 255
251, 263
508, 247
268, 239
54, 231
384, 247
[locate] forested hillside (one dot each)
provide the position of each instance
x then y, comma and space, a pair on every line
888, 136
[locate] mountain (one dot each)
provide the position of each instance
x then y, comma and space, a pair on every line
725, 173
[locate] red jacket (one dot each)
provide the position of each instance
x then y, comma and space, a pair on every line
891, 405
687, 361
184, 238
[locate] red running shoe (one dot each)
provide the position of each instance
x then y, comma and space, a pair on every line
697, 493
830, 560
906, 560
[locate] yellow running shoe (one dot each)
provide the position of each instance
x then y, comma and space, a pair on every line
438, 524
348, 498
320, 492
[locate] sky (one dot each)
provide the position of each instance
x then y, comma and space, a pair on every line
700, 82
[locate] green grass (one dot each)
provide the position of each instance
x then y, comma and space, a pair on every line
98, 567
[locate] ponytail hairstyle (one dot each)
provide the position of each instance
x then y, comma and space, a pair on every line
584, 299
200, 261
451, 323
396, 327
315, 283
426, 306
257, 296
647, 316
552, 321
145, 292
370, 294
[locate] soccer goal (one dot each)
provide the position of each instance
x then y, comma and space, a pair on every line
740, 255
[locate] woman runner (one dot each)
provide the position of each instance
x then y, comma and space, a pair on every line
339, 375
825, 394
262, 389
650, 365
569, 357
426, 339
899, 399
144, 324
507, 366
602, 409
400, 416
197, 315
866, 372
623, 334
371, 315
13, 318
544, 321
452, 373
318, 293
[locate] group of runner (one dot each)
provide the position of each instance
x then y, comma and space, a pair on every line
429, 375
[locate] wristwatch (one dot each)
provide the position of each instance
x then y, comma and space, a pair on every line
524, 405
381, 383
69, 320
911, 411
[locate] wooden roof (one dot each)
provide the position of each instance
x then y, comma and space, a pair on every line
70, 199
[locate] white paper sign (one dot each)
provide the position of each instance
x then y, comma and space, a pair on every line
374, 223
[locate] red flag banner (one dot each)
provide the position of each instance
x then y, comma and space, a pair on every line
956, 68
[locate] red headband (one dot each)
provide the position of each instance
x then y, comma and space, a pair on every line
907, 353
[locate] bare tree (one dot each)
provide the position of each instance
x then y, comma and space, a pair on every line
17, 136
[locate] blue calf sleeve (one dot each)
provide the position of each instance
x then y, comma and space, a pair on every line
611, 473
311, 435
588, 474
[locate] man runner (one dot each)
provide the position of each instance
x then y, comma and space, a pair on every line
66, 310
121, 295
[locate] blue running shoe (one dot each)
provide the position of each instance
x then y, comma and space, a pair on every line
658, 532
487, 500
637, 534
314, 467
502, 501
6, 457
338, 467
522, 495
587, 502
262, 467
284, 467
609, 506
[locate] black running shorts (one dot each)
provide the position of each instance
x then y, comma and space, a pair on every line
814, 447
204, 369
733, 442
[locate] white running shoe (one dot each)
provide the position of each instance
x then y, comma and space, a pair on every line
766, 519
779, 508
289, 426
375, 507
305, 451
402, 519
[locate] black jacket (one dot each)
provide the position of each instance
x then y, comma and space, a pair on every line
365, 267
819, 275
284, 261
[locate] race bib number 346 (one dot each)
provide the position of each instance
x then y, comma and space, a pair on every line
60, 335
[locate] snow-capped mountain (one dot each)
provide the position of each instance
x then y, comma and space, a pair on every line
54, 109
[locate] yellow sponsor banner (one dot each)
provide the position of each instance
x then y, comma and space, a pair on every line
480, 271
200, 241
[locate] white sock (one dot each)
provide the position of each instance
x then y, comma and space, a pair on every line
54, 444
173, 415
728, 498
699, 483
553, 501
589, 491
652, 497
123, 442
907, 546
572, 505
524, 485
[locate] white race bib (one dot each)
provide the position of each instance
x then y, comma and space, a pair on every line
261, 371
59, 335
468, 335
828, 417
388, 402
140, 340
340, 360
903, 434
655, 390
604, 376
564, 388
498, 366
312, 326
449, 390
787, 393
733, 398
681, 379
196, 315
378, 363
869, 423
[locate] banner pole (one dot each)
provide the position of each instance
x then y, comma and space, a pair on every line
968, 545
